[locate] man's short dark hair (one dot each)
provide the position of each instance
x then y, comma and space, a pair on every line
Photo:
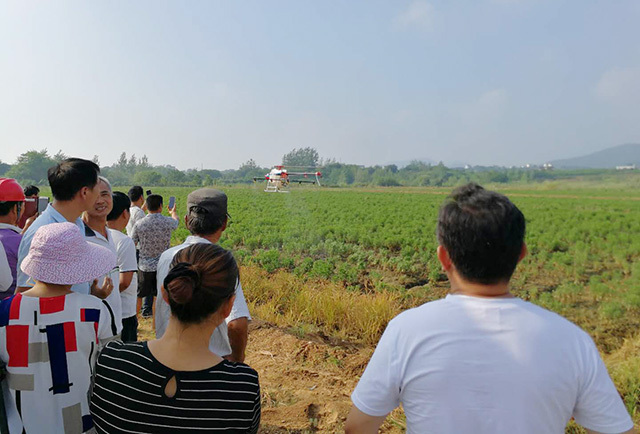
201, 222
154, 202
121, 203
483, 232
69, 176
31, 190
7, 206
135, 193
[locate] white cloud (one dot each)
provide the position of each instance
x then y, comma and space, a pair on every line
619, 86
488, 107
418, 15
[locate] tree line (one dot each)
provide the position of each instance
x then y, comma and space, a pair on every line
31, 168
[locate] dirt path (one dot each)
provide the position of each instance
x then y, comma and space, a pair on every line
306, 383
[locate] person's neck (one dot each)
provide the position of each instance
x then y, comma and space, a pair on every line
41, 289
7, 220
70, 210
139, 203
464, 287
98, 224
186, 347
156, 212
116, 225
213, 238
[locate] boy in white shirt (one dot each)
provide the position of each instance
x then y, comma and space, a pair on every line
126, 251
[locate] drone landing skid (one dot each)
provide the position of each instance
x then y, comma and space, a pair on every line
273, 188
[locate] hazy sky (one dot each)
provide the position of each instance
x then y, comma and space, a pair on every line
215, 83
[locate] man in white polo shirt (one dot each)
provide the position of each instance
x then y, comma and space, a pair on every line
481, 360
96, 232
206, 219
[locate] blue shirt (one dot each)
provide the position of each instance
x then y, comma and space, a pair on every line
50, 215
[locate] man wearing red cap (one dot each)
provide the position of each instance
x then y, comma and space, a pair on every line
11, 204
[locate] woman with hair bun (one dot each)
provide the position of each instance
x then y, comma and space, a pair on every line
175, 384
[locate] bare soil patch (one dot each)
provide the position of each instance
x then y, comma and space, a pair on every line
306, 382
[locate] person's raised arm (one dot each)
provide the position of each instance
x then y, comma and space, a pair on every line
362, 423
103, 291
174, 214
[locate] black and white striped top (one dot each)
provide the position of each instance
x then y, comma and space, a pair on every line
128, 396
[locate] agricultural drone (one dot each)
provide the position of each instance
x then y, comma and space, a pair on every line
279, 178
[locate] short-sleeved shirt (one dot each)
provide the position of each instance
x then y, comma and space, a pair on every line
10, 237
49, 215
126, 253
129, 395
500, 365
219, 342
49, 346
153, 236
114, 301
135, 214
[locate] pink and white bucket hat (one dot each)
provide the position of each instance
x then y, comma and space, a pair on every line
60, 255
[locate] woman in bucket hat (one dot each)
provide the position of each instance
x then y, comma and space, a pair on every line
49, 335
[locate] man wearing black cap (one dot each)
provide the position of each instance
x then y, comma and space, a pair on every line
206, 219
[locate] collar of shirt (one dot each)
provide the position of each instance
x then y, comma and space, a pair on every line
88, 232
12, 227
195, 239
54, 216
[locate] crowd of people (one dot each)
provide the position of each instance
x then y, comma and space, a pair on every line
76, 277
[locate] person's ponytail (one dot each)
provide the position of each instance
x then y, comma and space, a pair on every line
181, 282
201, 278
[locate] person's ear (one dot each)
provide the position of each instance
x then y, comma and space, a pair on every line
165, 295
443, 257
523, 252
224, 225
227, 306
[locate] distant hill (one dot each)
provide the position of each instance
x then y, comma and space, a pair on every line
621, 155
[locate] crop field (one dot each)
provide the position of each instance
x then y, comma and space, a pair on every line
333, 266
341, 262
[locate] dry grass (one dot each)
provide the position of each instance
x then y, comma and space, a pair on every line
318, 306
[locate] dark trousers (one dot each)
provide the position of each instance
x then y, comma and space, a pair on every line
130, 329
147, 291
147, 305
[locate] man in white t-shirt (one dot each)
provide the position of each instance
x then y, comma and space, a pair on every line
136, 213
127, 263
480, 360
96, 232
206, 219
